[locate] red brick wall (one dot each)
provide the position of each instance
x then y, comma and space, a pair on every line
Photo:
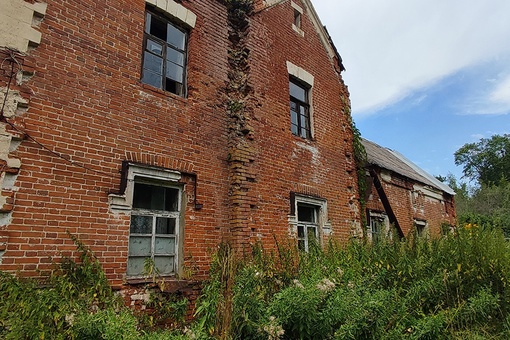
89, 106
409, 202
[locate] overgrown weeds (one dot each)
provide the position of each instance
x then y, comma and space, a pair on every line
453, 287
74, 302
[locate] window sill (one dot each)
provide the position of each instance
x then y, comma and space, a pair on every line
160, 93
171, 284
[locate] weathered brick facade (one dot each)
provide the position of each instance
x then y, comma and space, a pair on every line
87, 123
401, 194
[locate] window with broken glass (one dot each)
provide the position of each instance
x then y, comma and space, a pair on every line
377, 228
164, 57
299, 109
307, 225
154, 229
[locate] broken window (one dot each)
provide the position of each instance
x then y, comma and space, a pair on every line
378, 227
421, 227
154, 229
308, 224
164, 58
299, 109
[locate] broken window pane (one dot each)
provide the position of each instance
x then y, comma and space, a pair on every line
165, 226
164, 40
306, 213
158, 27
299, 110
154, 228
174, 71
154, 47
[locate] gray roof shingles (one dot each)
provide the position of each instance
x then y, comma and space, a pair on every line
396, 162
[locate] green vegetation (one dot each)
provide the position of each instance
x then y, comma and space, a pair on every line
455, 287
487, 161
486, 202
76, 302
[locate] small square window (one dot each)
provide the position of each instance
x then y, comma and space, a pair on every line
165, 54
299, 109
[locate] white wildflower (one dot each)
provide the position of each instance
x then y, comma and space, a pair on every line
325, 285
298, 284
340, 271
274, 330
69, 319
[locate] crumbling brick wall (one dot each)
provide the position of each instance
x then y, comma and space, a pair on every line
89, 113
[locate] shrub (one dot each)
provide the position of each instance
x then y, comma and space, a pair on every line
455, 286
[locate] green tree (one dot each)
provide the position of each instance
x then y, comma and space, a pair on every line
487, 161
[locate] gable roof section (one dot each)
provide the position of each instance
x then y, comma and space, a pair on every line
319, 27
396, 162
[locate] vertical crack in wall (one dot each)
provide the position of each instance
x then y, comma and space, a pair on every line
240, 133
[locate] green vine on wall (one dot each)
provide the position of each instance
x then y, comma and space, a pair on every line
360, 158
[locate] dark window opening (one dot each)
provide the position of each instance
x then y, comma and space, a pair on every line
299, 110
165, 54
297, 18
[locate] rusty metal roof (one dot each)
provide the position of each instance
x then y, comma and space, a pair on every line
394, 161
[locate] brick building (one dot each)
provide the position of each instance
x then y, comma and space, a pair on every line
155, 129
401, 194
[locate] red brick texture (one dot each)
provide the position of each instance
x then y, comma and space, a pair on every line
89, 107
409, 202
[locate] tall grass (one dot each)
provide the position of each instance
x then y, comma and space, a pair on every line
454, 287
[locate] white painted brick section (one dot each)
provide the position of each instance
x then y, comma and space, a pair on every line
175, 10
16, 20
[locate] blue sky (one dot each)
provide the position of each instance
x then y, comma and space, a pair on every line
425, 76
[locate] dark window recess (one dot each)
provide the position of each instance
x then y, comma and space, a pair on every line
297, 18
164, 58
152, 197
299, 110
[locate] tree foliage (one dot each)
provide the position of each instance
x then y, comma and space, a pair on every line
486, 161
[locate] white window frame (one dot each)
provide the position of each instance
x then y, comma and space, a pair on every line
321, 223
154, 215
123, 204
296, 25
307, 80
422, 228
383, 222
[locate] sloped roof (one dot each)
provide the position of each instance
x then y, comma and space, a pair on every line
396, 162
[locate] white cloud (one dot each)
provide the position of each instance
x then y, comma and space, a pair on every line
394, 47
492, 98
502, 93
